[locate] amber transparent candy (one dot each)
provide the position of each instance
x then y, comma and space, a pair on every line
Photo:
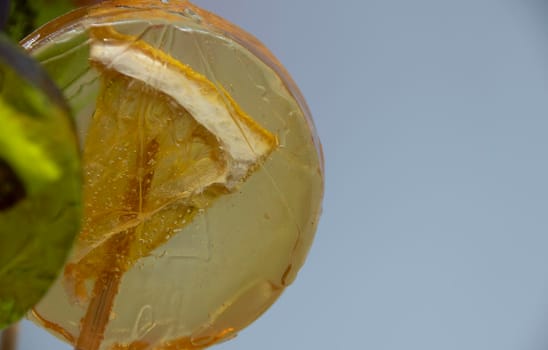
203, 176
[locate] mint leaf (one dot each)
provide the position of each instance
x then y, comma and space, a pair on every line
40, 184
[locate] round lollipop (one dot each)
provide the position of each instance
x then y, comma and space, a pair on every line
40, 183
203, 176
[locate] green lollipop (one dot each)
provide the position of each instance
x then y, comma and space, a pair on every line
40, 183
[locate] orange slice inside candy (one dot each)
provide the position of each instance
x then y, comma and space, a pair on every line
163, 144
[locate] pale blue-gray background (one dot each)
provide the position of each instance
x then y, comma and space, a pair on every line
434, 120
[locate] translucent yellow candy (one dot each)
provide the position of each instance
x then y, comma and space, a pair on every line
203, 177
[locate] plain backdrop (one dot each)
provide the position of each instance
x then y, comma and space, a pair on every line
434, 119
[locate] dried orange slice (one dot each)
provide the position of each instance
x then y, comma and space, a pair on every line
163, 143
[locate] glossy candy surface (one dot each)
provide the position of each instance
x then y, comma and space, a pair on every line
40, 183
203, 176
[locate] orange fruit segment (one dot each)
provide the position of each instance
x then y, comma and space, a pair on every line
163, 144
